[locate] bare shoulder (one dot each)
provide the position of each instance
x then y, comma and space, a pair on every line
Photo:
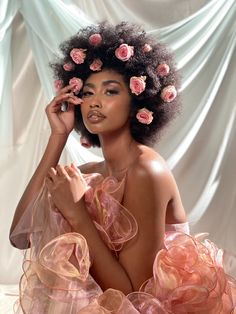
151, 181
151, 171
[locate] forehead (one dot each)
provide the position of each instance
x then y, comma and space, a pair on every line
105, 75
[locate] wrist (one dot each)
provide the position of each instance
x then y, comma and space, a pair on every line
58, 139
59, 136
78, 221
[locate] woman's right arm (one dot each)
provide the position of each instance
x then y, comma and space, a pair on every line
61, 124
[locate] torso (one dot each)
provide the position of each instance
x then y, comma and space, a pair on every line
174, 209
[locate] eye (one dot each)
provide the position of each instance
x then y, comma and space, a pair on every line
86, 93
111, 92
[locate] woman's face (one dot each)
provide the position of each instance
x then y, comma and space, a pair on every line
106, 102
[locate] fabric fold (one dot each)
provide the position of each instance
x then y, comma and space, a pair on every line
188, 274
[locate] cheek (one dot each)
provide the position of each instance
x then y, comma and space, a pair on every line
84, 109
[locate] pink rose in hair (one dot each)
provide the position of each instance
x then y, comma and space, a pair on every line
96, 65
137, 84
124, 52
78, 55
85, 142
95, 39
68, 66
144, 116
76, 84
168, 93
58, 84
163, 69
147, 48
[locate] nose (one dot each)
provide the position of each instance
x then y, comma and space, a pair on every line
95, 105
95, 102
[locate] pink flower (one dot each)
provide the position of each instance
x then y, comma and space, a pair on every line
95, 39
78, 55
168, 93
163, 69
137, 84
144, 116
77, 84
85, 142
147, 48
124, 52
96, 65
58, 84
68, 66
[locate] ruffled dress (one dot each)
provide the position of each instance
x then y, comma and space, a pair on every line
188, 274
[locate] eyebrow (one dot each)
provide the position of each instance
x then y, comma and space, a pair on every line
104, 83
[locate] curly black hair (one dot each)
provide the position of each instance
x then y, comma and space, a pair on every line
142, 63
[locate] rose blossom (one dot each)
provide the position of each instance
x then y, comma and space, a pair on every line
168, 93
163, 69
68, 66
58, 84
147, 48
85, 142
77, 84
144, 116
95, 39
96, 65
78, 55
137, 84
124, 52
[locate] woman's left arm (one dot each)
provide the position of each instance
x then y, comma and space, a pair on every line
146, 197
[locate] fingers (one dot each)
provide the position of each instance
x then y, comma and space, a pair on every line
75, 168
63, 102
52, 174
62, 173
65, 89
71, 171
69, 91
69, 97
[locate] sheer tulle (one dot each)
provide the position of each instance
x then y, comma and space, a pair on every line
188, 277
188, 274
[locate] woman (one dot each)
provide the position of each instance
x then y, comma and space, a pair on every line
100, 231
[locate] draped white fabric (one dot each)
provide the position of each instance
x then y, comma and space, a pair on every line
200, 145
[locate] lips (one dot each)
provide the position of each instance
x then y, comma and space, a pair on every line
95, 116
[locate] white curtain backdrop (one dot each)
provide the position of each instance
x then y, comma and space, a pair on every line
199, 146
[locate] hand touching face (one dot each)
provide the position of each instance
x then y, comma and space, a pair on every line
62, 122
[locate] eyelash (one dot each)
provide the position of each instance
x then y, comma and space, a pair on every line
111, 91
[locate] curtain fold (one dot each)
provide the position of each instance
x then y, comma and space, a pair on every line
199, 145
7, 14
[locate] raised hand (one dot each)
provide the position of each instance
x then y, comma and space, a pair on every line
62, 122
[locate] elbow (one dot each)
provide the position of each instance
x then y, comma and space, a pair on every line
20, 242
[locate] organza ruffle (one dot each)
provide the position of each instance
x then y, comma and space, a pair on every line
58, 280
188, 277
188, 274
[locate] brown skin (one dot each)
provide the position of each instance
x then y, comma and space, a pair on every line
151, 194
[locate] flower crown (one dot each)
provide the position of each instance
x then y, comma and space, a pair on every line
137, 84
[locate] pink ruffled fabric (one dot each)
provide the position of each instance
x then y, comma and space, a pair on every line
188, 275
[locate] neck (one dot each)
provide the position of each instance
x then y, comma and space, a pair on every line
119, 151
